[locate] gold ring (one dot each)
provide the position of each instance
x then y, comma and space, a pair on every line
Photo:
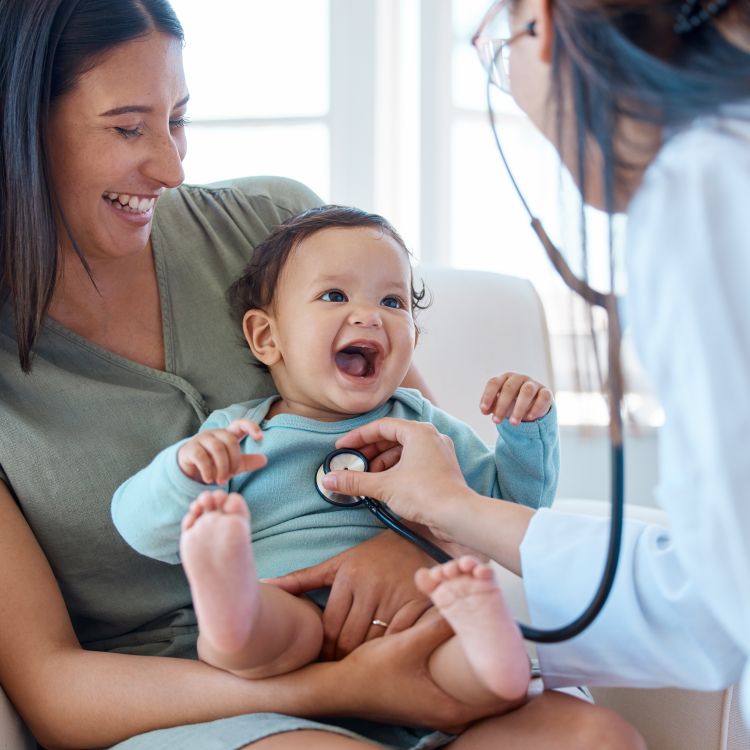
381, 623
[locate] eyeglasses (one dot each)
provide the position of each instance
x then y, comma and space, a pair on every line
492, 42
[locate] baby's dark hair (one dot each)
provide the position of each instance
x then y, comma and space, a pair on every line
256, 287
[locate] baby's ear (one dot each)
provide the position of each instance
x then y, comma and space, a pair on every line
257, 325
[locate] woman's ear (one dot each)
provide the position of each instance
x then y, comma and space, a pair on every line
544, 29
540, 11
257, 325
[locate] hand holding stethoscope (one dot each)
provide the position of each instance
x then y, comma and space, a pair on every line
442, 503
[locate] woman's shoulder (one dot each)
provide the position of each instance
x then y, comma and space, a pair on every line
283, 194
247, 206
694, 190
721, 140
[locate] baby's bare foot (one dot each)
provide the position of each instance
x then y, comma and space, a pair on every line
466, 594
218, 560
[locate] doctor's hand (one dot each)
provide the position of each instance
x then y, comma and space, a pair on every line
515, 397
215, 456
424, 484
372, 581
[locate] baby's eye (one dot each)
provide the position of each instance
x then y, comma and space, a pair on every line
334, 295
395, 302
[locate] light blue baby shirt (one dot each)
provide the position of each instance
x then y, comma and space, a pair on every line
292, 526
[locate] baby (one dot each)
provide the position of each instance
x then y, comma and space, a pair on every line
327, 304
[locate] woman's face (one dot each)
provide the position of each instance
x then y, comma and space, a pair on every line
116, 142
531, 80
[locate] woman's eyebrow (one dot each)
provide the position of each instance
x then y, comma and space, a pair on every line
140, 108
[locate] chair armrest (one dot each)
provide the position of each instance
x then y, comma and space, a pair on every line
668, 719
13, 733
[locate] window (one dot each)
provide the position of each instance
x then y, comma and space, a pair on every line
258, 78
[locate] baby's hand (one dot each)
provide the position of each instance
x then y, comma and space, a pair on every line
214, 456
516, 397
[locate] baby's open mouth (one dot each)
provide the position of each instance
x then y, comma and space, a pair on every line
357, 360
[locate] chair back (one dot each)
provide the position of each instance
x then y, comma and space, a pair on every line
479, 324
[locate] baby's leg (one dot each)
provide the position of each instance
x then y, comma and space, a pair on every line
246, 627
486, 660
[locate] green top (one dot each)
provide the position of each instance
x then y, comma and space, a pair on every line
86, 419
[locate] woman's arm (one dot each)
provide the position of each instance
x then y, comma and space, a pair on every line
414, 379
71, 698
427, 486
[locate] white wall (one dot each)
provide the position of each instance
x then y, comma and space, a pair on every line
585, 471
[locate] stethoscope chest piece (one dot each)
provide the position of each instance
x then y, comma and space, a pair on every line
340, 460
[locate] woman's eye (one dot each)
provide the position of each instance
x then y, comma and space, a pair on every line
129, 132
394, 302
333, 296
180, 122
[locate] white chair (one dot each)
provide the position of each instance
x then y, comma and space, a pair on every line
479, 325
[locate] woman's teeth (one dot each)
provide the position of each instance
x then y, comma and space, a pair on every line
131, 202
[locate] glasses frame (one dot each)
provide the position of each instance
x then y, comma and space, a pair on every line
492, 50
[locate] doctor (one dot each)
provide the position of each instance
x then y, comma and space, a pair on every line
648, 105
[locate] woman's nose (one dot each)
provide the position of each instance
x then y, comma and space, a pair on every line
164, 162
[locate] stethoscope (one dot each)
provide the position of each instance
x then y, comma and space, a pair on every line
608, 302
348, 459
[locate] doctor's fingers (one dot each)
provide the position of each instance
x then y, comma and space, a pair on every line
424, 451
385, 459
389, 429
378, 485
372, 451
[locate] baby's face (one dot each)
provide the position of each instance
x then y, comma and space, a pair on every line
343, 323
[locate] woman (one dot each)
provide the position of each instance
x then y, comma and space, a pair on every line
112, 321
649, 106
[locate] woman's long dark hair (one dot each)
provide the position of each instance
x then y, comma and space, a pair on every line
45, 46
626, 59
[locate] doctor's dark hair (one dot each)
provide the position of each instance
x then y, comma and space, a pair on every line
640, 59
256, 286
45, 47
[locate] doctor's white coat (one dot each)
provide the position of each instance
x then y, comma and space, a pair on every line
679, 614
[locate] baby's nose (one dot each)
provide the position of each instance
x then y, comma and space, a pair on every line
367, 317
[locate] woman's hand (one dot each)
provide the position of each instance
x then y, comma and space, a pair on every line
424, 484
372, 581
388, 680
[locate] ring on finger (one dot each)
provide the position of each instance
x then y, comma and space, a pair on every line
381, 623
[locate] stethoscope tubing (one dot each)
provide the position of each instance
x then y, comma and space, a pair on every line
392, 521
608, 301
